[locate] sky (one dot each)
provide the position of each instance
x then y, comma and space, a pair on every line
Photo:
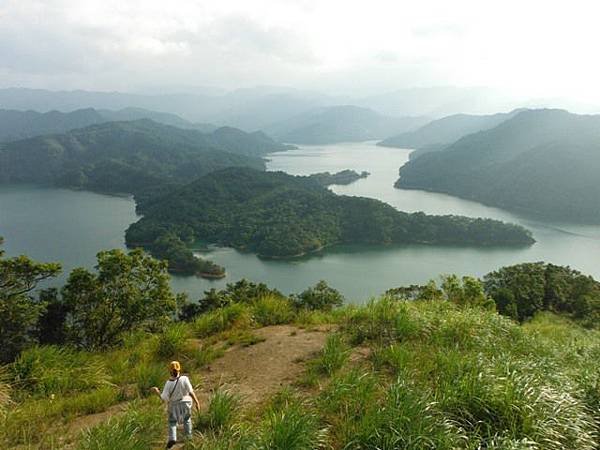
346, 47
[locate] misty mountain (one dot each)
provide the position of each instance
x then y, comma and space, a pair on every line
129, 156
250, 109
540, 162
447, 130
15, 125
128, 114
437, 102
344, 123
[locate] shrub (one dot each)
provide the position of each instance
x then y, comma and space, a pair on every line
46, 370
172, 341
221, 413
5, 391
234, 315
319, 297
272, 310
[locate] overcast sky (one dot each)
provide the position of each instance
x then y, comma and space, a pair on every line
529, 47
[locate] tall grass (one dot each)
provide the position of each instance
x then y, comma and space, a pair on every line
272, 310
295, 426
46, 370
34, 421
172, 342
148, 374
222, 319
140, 428
333, 356
221, 412
5, 391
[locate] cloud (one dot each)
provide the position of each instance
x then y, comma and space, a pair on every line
534, 47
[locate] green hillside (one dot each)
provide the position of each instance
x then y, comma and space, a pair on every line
445, 131
130, 156
540, 162
421, 367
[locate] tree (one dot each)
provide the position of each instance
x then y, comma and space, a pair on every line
19, 310
319, 297
129, 291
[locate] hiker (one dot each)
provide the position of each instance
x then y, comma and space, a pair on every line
178, 393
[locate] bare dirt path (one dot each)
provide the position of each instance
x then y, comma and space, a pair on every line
254, 372
260, 370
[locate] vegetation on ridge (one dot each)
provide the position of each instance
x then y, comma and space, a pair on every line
543, 163
430, 366
279, 215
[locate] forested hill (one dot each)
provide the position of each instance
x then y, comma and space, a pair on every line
447, 130
541, 162
16, 125
129, 156
279, 215
344, 123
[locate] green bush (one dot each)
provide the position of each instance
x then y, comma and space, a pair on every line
320, 297
272, 310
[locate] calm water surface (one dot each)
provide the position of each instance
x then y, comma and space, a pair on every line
70, 226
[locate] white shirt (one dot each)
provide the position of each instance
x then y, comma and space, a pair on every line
180, 391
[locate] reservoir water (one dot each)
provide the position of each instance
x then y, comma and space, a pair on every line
71, 226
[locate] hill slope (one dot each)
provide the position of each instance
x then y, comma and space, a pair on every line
279, 215
16, 125
340, 124
446, 130
129, 156
542, 162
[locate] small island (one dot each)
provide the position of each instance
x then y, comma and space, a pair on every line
342, 177
277, 215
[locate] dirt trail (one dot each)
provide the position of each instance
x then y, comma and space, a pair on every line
254, 372
260, 370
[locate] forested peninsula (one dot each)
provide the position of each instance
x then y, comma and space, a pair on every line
278, 215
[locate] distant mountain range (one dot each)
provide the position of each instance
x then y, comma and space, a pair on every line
15, 125
540, 162
130, 156
445, 131
257, 108
344, 123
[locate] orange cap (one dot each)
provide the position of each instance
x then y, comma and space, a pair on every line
175, 365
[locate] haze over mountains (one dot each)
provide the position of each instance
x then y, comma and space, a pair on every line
257, 108
446, 130
340, 124
540, 162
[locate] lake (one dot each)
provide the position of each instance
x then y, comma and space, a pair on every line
72, 226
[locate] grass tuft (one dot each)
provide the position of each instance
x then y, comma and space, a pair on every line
222, 410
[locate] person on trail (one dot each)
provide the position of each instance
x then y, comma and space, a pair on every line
178, 393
